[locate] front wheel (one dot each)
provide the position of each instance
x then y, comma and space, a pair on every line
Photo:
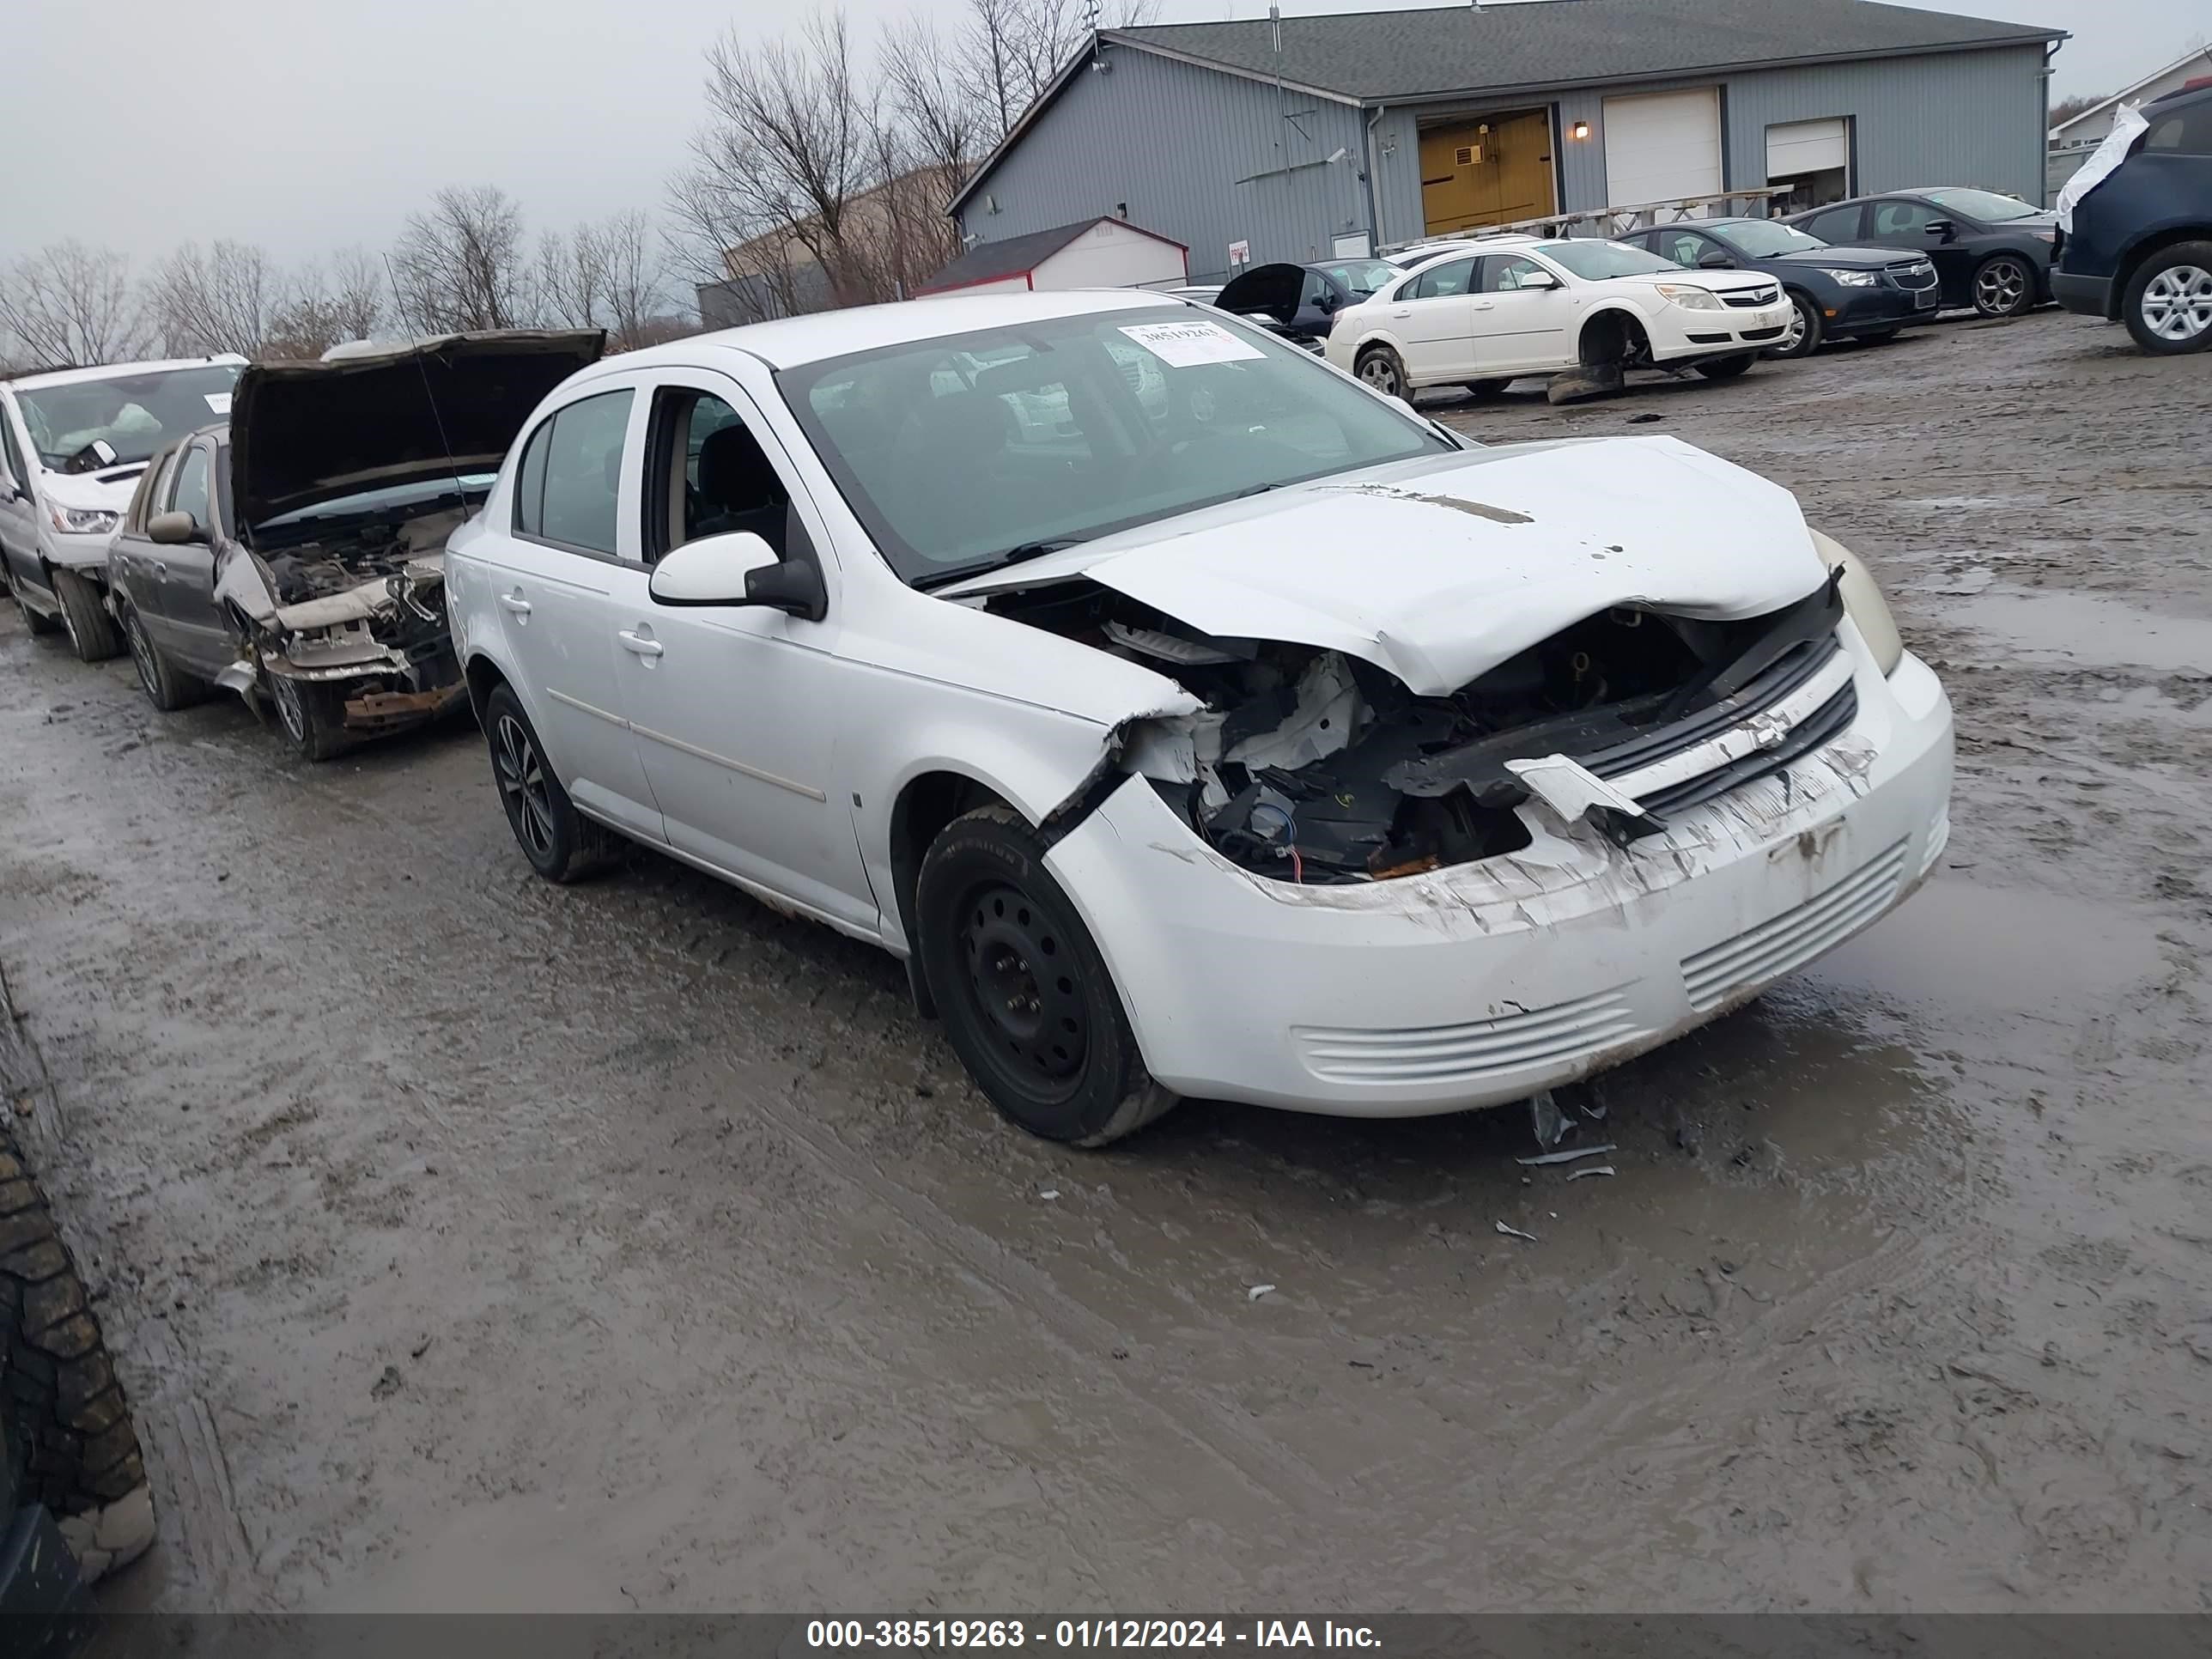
1382, 368
1726, 368
2167, 303
312, 716
1801, 336
560, 843
1027, 1000
2004, 286
91, 631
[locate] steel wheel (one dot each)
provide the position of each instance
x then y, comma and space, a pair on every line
2001, 287
1379, 369
1024, 987
522, 788
2177, 303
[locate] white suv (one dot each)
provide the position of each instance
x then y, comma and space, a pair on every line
1487, 313
72, 445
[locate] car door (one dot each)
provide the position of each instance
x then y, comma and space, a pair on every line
1838, 226
735, 709
191, 628
1434, 319
19, 525
1906, 222
563, 567
1524, 316
132, 557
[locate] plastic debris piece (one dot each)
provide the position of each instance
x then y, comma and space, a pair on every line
1569, 1155
1257, 1292
1546, 1120
1595, 1168
1514, 1232
1049, 1194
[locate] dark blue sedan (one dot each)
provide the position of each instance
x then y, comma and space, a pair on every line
1838, 293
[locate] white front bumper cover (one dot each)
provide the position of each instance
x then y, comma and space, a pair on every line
1482, 984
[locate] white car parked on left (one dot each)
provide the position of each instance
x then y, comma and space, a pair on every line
1192, 720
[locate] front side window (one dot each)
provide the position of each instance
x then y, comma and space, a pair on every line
191, 494
134, 414
1508, 275
571, 474
1444, 282
1682, 247
10, 453
712, 476
1838, 224
962, 452
1903, 218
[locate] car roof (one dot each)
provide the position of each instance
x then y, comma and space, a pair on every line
790, 342
116, 371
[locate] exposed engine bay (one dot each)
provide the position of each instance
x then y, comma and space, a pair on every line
1312, 766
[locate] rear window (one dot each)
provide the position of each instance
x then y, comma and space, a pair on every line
2186, 132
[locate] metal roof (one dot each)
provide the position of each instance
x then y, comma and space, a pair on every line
1392, 56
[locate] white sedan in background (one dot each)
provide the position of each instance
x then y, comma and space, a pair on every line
1189, 719
1489, 312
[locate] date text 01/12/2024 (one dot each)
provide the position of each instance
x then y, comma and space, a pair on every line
911, 1633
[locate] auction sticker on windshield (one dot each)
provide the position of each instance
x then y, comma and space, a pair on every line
1186, 345
218, 401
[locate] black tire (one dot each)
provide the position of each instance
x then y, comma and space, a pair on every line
1487, 388
168, 687
560, 843
92, 633
37, 621
68, 1424
1727, 369
312, 716
1385, 370
2004, 286
1811, 328
1027, 1001
2175, 286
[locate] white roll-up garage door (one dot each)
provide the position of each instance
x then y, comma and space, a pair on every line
1663, 146
1796, 148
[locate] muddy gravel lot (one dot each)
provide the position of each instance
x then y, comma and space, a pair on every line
466, 1241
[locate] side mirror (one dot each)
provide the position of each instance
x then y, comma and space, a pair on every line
1716, 262
173, 528
736, 570
1538, 279
1942, 229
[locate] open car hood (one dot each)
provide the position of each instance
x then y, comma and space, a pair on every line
304, 433
1439, 570
1265, 290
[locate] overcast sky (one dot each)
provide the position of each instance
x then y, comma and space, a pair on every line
306, 124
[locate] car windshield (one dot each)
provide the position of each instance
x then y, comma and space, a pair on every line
970, 451
1363, 276
1762, 238
1986, 205
1595, 261
391, 496
134, 414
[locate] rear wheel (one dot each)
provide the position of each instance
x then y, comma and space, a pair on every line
1382, 369
91, 630
2004, 286
2168, 300
560, 843
168, 688
1726, 368
1801, 337
311, 715
1026, 999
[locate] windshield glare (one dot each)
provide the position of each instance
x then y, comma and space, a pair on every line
1762, 238
1595, 261
134, 414
1986, 205
1363, 276
956, 451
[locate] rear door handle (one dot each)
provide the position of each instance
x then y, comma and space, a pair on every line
643, 644
515, 603
1485, 305
161, 567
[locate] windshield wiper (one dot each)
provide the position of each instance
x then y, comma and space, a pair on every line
1021, 553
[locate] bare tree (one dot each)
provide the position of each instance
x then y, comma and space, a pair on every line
356, 292
217, 301
629, 252
572, 276
1010, 50
71, 304
943, 123
461, 265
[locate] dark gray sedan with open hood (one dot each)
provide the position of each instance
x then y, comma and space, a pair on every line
298, 554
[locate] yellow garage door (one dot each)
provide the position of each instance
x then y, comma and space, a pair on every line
1490, 171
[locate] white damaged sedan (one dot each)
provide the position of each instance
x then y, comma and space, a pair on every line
1191, 719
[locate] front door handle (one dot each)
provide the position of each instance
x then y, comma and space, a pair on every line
643, 644
515, 603
1401, 312
161, 567
1485, 305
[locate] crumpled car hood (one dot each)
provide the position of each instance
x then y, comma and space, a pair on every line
1440, 569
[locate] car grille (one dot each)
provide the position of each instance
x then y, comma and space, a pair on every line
1469, 1053
1746, 298
1793, 939
1914, 274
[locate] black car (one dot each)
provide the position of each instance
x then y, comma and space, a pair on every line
1839, 293
1992, 252
1300, 302
2140, 250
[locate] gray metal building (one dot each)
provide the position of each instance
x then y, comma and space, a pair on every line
1310, 137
